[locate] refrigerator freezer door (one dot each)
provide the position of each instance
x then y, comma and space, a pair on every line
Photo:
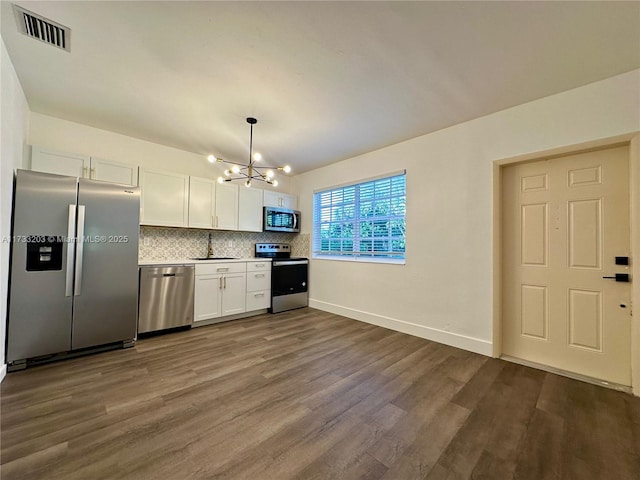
39, 312
106, 298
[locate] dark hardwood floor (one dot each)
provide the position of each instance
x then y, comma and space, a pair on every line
309, 395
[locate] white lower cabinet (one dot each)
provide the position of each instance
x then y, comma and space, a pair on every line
258, 285
208, 297
220, 290
233, 293
258, 300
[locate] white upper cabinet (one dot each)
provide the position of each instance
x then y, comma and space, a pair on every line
164, 198
212, 205
202, 198
60, 163
289, 201
250, 209
74, 165
281, 200
114, 172
226, 206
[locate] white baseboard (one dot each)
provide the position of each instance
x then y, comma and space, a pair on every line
3, 372
471, 344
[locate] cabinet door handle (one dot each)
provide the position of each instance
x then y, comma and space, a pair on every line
258, 295
213, 221
225, 282
259, 265
259, 275
84, 171
222, 269
92, 173
220, 284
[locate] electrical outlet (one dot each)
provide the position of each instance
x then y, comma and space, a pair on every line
146, 242
230, 244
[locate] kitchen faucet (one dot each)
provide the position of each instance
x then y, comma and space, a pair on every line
209, 247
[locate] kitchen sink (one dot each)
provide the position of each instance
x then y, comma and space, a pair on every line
213, 258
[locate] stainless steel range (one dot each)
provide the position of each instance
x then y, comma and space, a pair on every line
289, 277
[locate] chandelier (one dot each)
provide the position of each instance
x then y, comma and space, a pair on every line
249, 172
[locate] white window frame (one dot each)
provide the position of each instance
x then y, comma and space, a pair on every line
366, 256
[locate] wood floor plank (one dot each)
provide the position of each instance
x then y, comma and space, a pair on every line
308, 394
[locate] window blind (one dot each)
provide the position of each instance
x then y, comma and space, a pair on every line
361, 220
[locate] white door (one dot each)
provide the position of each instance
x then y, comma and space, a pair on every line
201, 202
164, 198
250, 209
565, 221
271, 198
289, 201
113, 172
234, 289
227, 206
60, 163
208, 297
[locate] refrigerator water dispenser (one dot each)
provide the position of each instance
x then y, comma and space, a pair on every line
44, 255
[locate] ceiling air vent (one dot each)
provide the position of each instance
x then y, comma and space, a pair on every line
43, 29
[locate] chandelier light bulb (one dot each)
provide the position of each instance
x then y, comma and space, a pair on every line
274, 183
227, 173
235, 169
257, 156
247, 183
286, 169
269, 174
220, 180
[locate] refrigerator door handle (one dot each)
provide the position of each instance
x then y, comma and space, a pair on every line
79, 251
71, 250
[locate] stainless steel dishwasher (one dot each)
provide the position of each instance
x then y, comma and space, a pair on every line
166, 298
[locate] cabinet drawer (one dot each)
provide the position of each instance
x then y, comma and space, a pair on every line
258, 300
258, 281
220, 268
259, 266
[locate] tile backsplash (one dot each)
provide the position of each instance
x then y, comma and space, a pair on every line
159, 243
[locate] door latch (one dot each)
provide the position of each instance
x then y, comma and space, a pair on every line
620, 277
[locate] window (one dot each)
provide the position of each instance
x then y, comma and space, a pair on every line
363, 221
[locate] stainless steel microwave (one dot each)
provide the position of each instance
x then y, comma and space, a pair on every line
281, 220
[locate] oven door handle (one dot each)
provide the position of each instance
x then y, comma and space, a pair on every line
290, 262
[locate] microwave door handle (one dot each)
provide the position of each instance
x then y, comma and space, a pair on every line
295, 221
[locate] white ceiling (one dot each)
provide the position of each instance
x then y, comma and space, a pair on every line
326, 80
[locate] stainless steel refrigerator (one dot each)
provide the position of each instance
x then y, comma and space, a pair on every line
74, 266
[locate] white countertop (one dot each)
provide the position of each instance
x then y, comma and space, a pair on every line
190, 261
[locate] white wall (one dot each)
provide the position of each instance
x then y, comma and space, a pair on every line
55, 133
14, 127
444, 292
